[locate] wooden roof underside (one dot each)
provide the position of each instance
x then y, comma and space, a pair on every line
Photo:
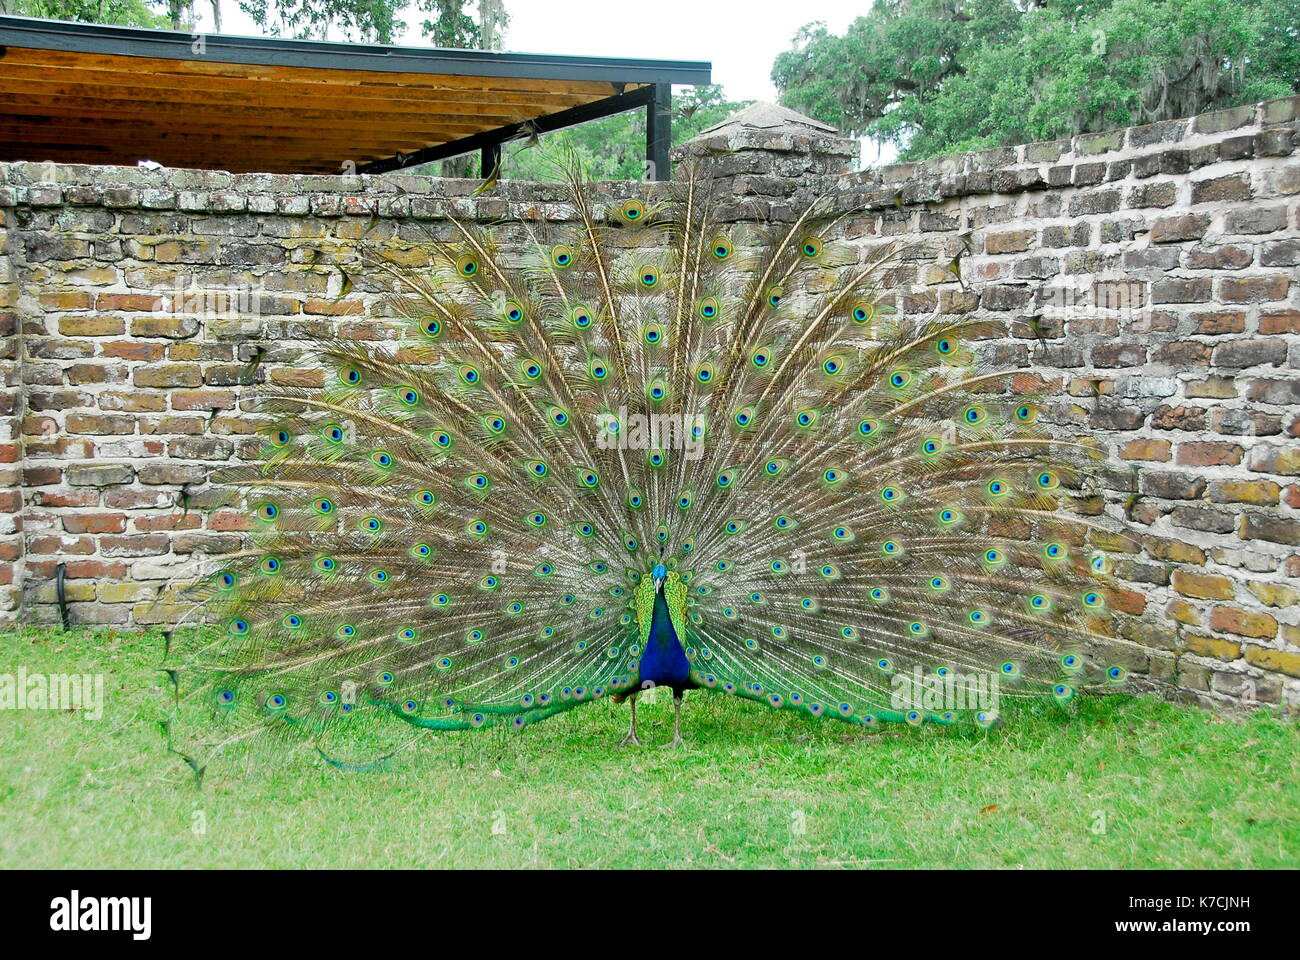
77, 107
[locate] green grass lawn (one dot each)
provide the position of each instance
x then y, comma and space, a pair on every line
1176, 787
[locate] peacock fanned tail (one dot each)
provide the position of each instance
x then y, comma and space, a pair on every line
458, 531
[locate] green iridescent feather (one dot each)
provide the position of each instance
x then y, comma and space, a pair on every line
457, 531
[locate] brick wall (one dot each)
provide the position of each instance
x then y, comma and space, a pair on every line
1145, 279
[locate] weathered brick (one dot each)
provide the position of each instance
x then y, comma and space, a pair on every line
1242, 622
176, 473
1254, 289
1199, 518
1280, 661
1160, 451
1179, 290
131, 402
169, 375
130, 302
200, 448
1218, 322
79, 569
1215, 388
124, 592
1262, 526
1208, 453
1239, 354
1255, 220
1074, 235
1098, 201
128, 350
1279, 321
95, 523
1087, 144
1226, 257
1259, 492
1232, 187
1229, 119
134, 545
202, 399
93, 325
1284, 461
1119, 355
1116, 417
1212, 647
99, 474
1202, 586
1173, 486
1189, 226
1281, 595
1167, 417
100, 424
174, 328
1153, 195
1279, 392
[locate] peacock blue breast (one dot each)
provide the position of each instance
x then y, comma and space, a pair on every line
663, 663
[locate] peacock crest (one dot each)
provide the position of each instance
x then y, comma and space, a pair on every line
637, 427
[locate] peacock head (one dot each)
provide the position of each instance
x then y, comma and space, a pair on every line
659, 574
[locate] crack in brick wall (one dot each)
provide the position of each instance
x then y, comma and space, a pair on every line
1144, 279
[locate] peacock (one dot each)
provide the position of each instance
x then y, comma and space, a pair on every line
638, 445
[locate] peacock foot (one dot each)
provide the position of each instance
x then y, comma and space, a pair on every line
674, 742
630, 738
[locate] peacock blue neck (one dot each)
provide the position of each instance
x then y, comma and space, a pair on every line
663, 661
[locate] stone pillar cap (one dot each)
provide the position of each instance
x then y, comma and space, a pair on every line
768, 126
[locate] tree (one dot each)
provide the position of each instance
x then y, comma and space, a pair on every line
938, 76
372, 21
378, 21
130, 13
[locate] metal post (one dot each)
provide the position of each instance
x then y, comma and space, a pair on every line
659, 133
490, 157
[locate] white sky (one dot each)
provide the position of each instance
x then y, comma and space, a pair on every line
740, 37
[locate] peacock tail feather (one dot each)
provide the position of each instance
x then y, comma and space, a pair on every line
458, 530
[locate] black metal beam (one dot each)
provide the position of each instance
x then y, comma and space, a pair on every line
659, 132
642, 96
274, 51
489, 160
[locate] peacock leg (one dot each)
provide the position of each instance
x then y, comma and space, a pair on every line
676, 741
631, 734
